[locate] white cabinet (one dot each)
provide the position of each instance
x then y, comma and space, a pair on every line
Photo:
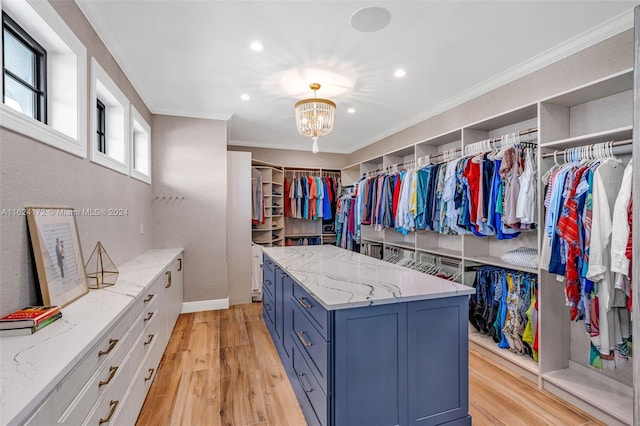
105, 381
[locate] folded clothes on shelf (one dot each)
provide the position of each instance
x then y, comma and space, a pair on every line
522, 256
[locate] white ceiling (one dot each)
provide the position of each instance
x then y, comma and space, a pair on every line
192, 58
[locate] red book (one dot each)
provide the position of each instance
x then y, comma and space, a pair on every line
29, 316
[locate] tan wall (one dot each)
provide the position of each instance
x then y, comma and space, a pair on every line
291, 158
36, 174
190, 161
602, 59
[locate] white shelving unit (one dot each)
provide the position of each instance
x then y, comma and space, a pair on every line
594, 113
600, 111
271, 232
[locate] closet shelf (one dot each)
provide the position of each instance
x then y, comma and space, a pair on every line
373, 239
496, 261
594, 389
401, 245
592, 138
441, 252
521, 364
301, 235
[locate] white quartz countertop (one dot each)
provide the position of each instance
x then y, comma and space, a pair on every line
31, 366
340, 278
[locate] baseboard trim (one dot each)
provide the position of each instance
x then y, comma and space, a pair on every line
205, 305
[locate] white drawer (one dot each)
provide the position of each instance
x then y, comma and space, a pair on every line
46, 412
147, 338
106, 410
98, 355
143, 379
147, 298
110, 371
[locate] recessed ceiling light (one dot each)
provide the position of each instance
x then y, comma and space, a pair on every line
351, 110
256, 46
245, 97
399, 73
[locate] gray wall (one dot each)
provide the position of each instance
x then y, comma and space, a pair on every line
32, 173
607, 57
190, 161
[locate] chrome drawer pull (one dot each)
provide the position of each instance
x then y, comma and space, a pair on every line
267, 282
112, 344
179, 264
168, 274
151, 370
112, 372
149, 339
148, 317
148, 299
302, 339
302, 300
113, 405
300, 375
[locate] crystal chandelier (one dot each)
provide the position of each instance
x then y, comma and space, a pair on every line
315, 117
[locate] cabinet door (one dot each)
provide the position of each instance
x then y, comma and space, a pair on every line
287, 312
370, 365
279, 316
268, 276
438, 360
177, 294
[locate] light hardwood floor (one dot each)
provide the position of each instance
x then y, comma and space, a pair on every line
221, 368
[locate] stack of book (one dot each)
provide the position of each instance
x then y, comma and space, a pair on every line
28, 320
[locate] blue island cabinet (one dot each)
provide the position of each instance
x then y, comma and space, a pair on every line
402, 363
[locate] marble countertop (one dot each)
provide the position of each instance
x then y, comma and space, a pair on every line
31, 366
341, 279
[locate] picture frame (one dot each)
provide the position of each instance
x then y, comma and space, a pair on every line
57, 253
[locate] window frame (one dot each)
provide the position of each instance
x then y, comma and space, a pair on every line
66, 84
140, 126
39, 89
117, 132
101, 125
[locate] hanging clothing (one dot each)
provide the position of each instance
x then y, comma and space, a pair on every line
257, 197
586, 202
505, 308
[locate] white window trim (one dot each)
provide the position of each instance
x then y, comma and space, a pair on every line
99, 74
137, 117
25, 125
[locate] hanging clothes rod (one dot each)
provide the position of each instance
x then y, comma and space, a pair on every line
613, 145
496, 139
333, 172
521, 133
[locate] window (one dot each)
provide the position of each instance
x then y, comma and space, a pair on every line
110, 122
44, 80
140, 147
100, 126
24, 71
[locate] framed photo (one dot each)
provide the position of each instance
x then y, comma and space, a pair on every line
58, 255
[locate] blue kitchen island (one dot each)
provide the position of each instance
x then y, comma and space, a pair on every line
366, 342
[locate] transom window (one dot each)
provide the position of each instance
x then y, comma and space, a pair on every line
24, 71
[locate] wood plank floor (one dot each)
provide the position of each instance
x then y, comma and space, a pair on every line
221, 368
